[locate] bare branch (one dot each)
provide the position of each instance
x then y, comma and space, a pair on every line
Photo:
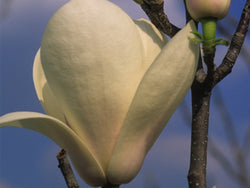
155, 11
244, 51
199, 138
201, 93
237, 41
66, 170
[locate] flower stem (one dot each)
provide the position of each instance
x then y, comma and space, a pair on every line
209, 28
209, 31
208, 37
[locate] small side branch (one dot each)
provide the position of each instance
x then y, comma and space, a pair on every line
236, 44
66, 170
155, 11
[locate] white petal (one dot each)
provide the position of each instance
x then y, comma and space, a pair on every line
161, 91
92, 56
153, 41
83, 160
49, 102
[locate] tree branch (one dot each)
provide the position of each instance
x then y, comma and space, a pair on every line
155, 11
201, 93
244, 50
66, 170
200, 120
236, 44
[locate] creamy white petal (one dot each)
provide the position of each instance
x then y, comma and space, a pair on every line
153, 41
47, 99
92, 56
83, 160
162, 89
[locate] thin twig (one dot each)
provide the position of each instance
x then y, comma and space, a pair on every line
244, 50
236, 44
155, 11
66, 170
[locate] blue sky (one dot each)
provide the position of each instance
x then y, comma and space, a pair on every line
28, 159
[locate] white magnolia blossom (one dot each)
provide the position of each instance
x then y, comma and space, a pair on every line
200, 9
109, 86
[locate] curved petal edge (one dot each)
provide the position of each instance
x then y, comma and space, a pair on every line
160, 92
83, 160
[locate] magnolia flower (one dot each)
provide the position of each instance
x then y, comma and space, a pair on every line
109, 86
200, 9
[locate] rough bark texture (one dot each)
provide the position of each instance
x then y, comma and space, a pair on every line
155, 11
66, 170
236, 44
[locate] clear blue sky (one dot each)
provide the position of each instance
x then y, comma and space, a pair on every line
28, 159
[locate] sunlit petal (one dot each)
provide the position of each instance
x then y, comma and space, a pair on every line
161, 91
153, 41
84, 161
47, 99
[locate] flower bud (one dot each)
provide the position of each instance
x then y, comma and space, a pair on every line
199, 9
